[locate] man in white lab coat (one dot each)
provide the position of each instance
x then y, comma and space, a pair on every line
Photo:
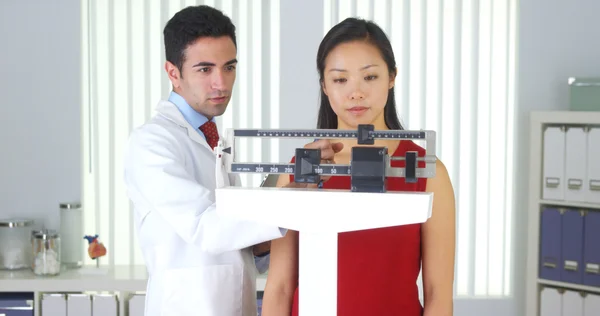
198, 262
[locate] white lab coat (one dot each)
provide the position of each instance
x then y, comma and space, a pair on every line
199, 263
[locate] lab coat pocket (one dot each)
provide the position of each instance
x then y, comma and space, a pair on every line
205, 291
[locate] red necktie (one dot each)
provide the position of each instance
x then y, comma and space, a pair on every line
209, 129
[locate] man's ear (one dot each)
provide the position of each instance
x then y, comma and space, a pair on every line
323, 87
393, 78
173, 73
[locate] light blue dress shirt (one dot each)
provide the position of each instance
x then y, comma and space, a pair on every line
196, 120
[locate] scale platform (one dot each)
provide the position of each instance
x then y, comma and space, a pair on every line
319, 215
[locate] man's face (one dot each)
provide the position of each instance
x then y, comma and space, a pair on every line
207, 76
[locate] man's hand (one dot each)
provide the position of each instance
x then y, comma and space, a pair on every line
262, 248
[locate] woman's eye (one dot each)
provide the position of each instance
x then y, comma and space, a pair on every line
371, 77
339, 80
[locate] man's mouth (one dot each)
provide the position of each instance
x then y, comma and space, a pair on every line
219, 99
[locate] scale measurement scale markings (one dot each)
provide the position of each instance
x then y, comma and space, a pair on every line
287, 168
332, 133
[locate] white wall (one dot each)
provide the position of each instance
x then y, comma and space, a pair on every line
40, 111
558, 39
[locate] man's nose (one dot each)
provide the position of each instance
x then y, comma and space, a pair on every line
218, 80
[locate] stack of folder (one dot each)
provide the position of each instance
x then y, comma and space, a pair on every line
571, 172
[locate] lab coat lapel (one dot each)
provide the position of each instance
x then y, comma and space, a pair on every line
171, 112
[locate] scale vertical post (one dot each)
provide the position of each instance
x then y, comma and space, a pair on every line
317, 271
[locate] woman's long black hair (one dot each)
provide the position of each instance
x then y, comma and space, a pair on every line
354, 29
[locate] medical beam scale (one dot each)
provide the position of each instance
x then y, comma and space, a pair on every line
369, 165
321, 214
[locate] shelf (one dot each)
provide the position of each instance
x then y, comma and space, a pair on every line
570, 286
571, 204
116, 279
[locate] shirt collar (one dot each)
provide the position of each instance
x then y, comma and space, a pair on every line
191, 116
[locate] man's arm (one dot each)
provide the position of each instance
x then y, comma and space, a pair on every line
157, 180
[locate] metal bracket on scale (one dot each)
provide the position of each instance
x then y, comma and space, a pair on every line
369, 165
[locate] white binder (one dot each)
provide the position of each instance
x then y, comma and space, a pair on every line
136, 305
79, 304
592, 186
572, 304
591, 305
105, 305
554, 164
54, 305
575, 164
550, 302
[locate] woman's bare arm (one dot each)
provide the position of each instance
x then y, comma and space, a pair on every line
282, 278
438, 238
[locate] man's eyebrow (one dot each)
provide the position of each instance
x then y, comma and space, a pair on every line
204, 64
209, 64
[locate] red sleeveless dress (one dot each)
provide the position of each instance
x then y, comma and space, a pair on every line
378, 268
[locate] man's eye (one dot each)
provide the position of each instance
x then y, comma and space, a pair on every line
230, 68
205, 69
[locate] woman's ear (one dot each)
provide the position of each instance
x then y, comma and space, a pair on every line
393, 78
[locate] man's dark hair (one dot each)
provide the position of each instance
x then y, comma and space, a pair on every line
190, 24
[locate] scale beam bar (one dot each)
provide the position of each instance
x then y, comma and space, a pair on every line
323, 169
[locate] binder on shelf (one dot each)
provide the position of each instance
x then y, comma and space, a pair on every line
79, 304
575, 164
16, 304
550, 302
105, 305
553, 182
572, 304
591, 305
591, 249
572, 246
136, 305
592, 186
551, 244
54, 304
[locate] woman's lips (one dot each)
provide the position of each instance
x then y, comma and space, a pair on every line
358, 110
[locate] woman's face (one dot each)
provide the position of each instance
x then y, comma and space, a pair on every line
356, 80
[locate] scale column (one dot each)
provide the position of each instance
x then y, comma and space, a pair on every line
317, 273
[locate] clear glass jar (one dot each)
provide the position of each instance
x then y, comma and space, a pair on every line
15, 248
46, 252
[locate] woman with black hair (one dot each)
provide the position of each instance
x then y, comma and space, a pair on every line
377, 268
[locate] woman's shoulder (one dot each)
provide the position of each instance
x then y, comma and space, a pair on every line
408, 145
